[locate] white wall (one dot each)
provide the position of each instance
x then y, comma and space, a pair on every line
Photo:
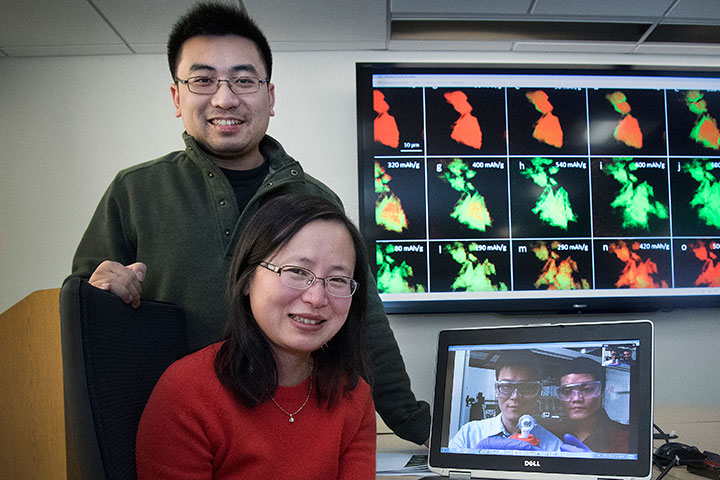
68, 124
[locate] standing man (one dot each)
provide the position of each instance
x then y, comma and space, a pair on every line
587, 426
517, 387
166, 229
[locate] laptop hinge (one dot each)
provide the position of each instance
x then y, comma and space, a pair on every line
458, 475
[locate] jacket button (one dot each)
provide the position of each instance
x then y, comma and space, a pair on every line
211, 174
222, 202
294, 172
227, 233
269, 184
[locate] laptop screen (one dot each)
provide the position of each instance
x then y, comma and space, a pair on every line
573, 399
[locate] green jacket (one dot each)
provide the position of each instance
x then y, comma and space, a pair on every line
178, 215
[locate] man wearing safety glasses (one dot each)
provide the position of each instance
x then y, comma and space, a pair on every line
587, 426
517, 387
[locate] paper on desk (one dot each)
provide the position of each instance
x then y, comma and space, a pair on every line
398, 464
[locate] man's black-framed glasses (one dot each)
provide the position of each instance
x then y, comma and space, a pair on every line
302, 279
506, 389
206, 85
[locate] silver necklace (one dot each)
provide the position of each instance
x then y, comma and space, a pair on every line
292, 415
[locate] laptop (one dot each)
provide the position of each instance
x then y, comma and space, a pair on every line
506, 399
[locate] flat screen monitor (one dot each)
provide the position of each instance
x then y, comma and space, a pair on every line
536, 188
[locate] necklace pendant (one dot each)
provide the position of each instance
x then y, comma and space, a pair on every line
291, 419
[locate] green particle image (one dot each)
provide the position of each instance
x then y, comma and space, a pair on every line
470, 209
381, 180
474, 276
557, 273
695, 102
705, 131
389, 212
634, 199
392, 278
707, 195
618, 99
553, 206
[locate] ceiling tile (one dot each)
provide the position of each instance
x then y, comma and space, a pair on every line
604, 8
705, 10
453, 8
142, 22
448, 46
66, 50
149, 47
574, 47
40, 23
675, 49
321, 20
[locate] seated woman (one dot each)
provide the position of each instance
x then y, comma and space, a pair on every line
283, 395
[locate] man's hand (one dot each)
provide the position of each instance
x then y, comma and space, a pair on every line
499, 443
573, 444
123, 281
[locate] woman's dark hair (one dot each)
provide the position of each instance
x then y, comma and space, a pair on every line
245, 363
216, 19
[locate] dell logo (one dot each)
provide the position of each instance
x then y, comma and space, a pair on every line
532, 463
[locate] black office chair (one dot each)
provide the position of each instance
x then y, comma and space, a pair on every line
113, 355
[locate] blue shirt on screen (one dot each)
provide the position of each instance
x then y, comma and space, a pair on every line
472, 432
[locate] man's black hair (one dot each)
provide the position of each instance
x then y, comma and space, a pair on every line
584, 365
520, 359
216, 19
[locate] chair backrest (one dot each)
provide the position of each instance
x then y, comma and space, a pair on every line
113, 355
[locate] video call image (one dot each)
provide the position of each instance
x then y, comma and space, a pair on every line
538, 400
575, 183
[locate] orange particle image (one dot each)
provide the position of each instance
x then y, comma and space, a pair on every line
466, 129
385, 126
637, 273
708, 133
548, 130
540, 100
628, 131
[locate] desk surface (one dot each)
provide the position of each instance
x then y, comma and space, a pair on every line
698, 426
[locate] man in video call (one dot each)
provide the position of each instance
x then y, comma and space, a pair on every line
517, 386
587, 427
166, 229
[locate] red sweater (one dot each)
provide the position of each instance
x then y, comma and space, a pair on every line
194, 428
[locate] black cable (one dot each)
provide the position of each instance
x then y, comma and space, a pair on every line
664, 472
662, 435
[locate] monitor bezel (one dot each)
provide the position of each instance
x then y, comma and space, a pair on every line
594, 301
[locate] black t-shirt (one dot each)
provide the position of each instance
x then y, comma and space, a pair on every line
246, 182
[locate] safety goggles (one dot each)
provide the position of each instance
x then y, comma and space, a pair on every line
582, 390
506, 389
